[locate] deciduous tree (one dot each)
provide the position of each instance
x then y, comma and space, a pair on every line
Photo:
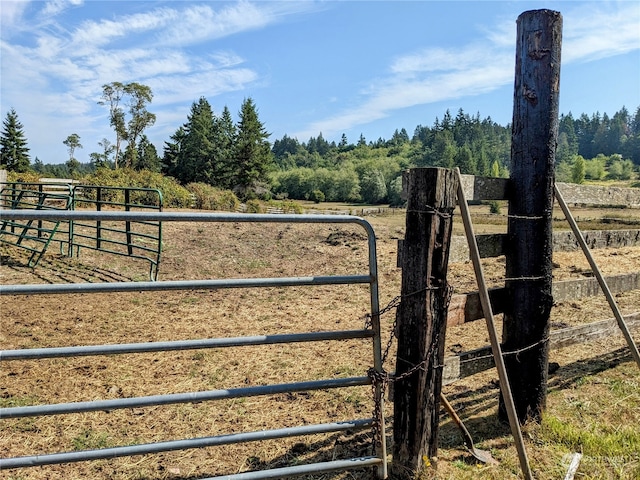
72, 142
135, 97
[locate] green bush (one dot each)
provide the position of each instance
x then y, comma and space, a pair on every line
211, 198
494, 207
23, 177
287, 206
173, 194
316, 196
254, 206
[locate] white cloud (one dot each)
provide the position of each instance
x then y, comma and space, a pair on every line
10, 12
202, 22
592, 33
54, 7
434, 74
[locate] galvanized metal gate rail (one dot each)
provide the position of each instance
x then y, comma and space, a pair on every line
378, 459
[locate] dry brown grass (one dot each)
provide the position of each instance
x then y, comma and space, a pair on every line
200, 251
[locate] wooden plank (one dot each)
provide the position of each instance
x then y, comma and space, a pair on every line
600, 196
589, 287
479, 360
494, 245
466, 307
478, 189
475, 188
565, 241
484, 188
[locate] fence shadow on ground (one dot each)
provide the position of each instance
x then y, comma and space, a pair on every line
58, 268
472, 403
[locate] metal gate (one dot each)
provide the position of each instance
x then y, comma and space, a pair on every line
377, 459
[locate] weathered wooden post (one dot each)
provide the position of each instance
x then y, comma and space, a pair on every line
422, 318
529, 252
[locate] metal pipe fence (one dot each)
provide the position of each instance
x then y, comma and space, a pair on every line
371, 332
34, 235
115, 238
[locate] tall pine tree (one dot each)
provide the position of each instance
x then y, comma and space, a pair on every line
224, 138
14, 153
253, 151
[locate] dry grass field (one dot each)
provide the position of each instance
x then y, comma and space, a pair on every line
594, 396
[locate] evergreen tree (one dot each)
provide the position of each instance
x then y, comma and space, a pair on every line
223, 138
195, 160
253, 151
171, 153
344, 144
578, 169
147, 157
284, 148
464, 159
14, 153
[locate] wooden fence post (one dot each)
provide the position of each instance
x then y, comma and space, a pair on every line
422, 318
530, 244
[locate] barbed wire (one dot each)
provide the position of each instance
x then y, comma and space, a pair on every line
381, 379
431, 210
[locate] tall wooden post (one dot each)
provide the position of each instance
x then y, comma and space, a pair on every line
529, 252
422, 318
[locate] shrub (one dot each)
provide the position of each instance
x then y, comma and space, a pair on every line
254, 206
173, 194
287, 206
316, 196
494, 207
211, 198
23, 177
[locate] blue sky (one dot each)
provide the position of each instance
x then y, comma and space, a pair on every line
330, 67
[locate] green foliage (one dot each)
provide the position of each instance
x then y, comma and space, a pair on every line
595, 168
495, 169
254, 206
173, 194
14, 153
394, 193
373, 187
211, 198
136, 97
317, 196
72, 142
252, 152
147, 156
287, 206
578, 170
495, 207
336, 185
620, 169
597, 441
23, 177
89, 439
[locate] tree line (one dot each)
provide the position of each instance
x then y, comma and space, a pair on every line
216, 151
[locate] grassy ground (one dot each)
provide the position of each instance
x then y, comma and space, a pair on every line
593, 402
